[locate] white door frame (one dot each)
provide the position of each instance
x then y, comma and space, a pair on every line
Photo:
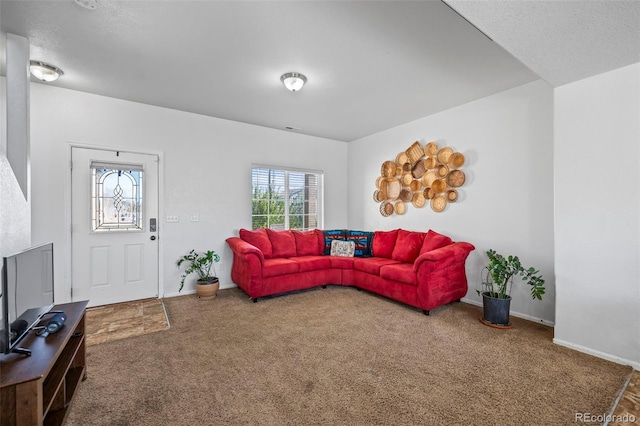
67, 211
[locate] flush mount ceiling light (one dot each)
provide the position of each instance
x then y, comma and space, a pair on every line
44, 72
293, 81
87, 4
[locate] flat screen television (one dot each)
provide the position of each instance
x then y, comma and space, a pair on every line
27, 294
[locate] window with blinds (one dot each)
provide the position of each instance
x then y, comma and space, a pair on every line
286, 198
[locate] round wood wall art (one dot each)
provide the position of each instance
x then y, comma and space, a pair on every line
456, 160
438, 203
388, 169
431, 149
419, 174
444, 154
456, 178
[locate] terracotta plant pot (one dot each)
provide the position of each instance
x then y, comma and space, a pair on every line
207, 289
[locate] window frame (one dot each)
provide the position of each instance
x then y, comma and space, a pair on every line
287, 187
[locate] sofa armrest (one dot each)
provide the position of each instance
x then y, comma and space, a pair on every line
246, 271
441, 274
242, 248
445, 255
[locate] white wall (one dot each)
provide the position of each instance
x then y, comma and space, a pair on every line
205, 167
506, 202
597, 214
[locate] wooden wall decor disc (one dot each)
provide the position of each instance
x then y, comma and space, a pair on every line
393, 188
388, 209
452, 195
442, 171
416, 185
406, 167
438, 203
379, 196
418, 200
415, 152
428, 193
418, 169
456, 178
407, 178
379, 181
384, 209
431, 163
431, 149
388, 169
402, 158
456, 160
405, 195
428, 178
444, 154
438, 186
398, 169
400, 207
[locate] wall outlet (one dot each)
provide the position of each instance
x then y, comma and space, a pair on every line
173, 218
194, 218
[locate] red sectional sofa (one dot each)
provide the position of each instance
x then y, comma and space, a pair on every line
424, 270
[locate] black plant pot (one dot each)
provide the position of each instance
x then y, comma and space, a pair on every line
496, 311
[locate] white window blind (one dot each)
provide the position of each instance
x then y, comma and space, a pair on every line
286, 198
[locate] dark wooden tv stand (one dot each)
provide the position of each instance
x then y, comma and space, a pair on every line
38, 389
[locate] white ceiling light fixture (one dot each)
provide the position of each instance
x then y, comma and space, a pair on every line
44, 72
293, 81
87, 4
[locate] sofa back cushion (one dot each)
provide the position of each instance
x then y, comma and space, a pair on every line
362, 241
433, 241
383, 243
309, 243
260, 239
283, 243
408, 245
330, 235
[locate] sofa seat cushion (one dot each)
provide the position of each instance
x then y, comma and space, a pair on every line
372, 265
402, 272
279, 266
341, 262
312, 263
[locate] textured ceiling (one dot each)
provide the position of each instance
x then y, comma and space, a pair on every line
370, 65
561, 41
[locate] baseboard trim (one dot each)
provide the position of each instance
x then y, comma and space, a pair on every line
599, 354
515, 314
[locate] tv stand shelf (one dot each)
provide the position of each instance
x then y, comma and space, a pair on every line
38, 389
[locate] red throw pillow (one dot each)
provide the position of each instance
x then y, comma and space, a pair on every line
283, 242
260, 239
383, 243
408, 245
433, 241
308, 243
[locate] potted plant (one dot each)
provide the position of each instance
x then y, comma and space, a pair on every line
496, 287
201, 264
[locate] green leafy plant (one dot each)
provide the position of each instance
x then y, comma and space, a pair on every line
499, 273
200, 264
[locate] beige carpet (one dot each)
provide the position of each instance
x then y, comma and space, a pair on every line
338, 356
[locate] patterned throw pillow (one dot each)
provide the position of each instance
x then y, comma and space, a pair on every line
342, 248
329, 236
362, 240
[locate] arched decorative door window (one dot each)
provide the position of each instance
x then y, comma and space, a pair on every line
116, 197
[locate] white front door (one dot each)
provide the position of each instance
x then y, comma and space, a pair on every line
114, 226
